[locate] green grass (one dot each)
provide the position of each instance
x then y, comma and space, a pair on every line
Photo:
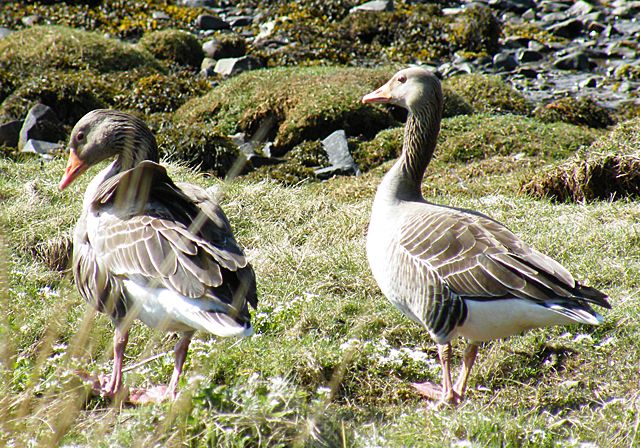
331, 361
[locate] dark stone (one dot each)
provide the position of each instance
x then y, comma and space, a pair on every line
41, 124
577, 60
517, 6
527, 72
569, 28
209, 22
337, 149
233, 66
504, 61
221, 49
525, 56
198, 3
588, 82
10, 133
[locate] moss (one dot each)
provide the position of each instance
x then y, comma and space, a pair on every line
583, 111
410, 33
174, 46
125, 19
161, 93
488, 94
36, 50
70, 95
608, 169
477, 30
198, 145
385, 146
290, 105
481, 136
454, 104
629, 72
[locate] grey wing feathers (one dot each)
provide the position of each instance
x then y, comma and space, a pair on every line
477, 257
163, 236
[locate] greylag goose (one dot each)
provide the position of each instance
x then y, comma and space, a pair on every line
455, 271
147, 248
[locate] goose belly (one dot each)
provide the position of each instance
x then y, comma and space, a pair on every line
495, 319
167, 310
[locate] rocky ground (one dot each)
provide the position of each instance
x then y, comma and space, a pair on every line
559, 60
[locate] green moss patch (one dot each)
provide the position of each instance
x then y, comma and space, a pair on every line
198, 145
583, 111
610, 169
290, 105
488, 94
174, 46
477, 30
35, 50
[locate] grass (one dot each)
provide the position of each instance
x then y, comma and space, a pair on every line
331, 362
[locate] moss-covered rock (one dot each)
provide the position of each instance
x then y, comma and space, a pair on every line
385, 146
608, 169
199, 145
36, 50
582, 111
480, 136
477, 30
174, 46
290, 105
161, 93
488, 94
69, 94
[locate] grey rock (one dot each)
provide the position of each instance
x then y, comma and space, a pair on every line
504, 61
577, 60
529, 14
198, 3
221, 49
580, 8
31, 20
590, 82
517, 6
4, 32
233, 66
160, 15
570, 28
235, 21
337, 149
375, 6
41, 123
207, 67
10, 133
42, 148
210, 22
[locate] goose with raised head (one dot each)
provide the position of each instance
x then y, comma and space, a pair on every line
148, 248
457, 272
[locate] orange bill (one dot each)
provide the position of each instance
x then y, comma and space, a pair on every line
75, 167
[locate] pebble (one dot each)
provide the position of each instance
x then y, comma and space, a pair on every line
210, 22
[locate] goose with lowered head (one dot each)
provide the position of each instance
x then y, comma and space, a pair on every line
148, 248
457, 272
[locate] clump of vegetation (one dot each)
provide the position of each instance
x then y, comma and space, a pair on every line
289, 106
199, 145
582, 111
454, 103
385, 146
69, 94
35, 50
124, 19
55, 253
297, 167
161, 93
488, 94
595, 177
477, 30
629, 72
609, 169
179, 47
476, 137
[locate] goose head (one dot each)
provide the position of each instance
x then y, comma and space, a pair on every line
412, 88
105, 133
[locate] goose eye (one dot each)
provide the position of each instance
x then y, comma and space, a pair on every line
402, 79
80, 136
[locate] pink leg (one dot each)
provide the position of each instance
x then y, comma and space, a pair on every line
158, 394
470, 353
180, 350
120, 339
444, 393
